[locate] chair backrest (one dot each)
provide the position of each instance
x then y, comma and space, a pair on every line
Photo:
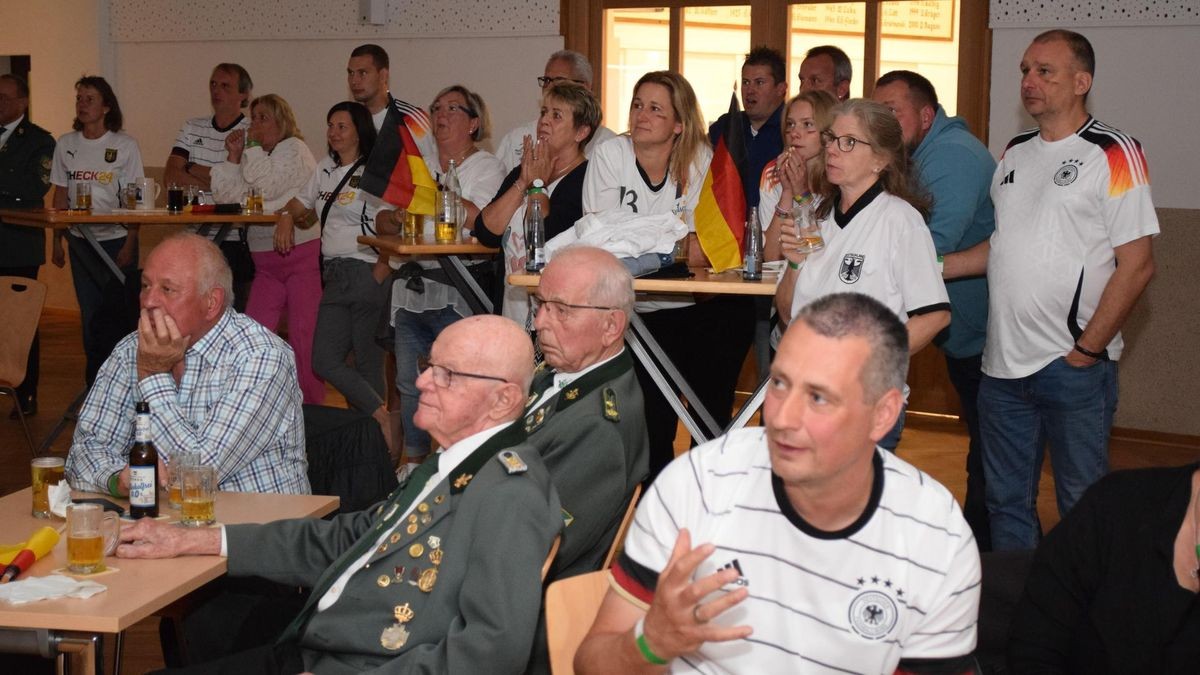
620, 538
571, 607
550, 556
21, 303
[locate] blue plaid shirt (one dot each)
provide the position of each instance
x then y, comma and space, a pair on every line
238, 406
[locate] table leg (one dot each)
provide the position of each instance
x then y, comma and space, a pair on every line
85, 649
466, 284
639, 330
640, 353
112, 264
203, 230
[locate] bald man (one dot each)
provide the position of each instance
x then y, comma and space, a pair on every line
391, 588
218, 384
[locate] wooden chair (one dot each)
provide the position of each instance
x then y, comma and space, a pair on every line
21, 303
571, 606
620, 538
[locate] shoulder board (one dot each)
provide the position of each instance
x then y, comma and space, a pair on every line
610, 405
511, 461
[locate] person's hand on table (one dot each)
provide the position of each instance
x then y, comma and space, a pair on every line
285, 234
678, 619
149, 538
160, 346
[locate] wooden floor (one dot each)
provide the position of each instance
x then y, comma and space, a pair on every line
935, 445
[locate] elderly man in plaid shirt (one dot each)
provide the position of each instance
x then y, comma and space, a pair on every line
218, 384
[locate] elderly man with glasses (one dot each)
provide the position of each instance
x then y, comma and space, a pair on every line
390, 586
562, 66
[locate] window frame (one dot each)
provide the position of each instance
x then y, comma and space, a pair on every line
582, 25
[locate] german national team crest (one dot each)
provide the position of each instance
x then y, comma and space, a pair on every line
1067, 173
873, 614
851, 268
110, 155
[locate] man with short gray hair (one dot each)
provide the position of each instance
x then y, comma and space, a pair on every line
856, 560
217, 382
827, 67
564, 64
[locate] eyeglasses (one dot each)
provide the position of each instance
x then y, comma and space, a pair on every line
543, 81
559, 311
443, 377
453, 108
844, 143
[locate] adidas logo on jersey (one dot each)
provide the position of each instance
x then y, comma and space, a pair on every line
1008, 179
733, 564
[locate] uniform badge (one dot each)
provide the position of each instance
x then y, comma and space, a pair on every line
462, 481
411, 529
439, 499
353, 181
567, 517
395, 538
396, 635
610, 406
426, 519
873, 614
383, 581
572, 394
412, 517
416, 550
110, 155
382, 548
1067, 173
423, 507
399, 573
851, 268
435, 542
512, 462
435, 556
428, 579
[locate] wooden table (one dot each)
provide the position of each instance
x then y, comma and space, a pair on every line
59, 219
140, 587
447, 255
646, 349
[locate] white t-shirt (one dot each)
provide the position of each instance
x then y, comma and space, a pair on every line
479, 177
1061, 209
281, 173
108, 163
885, 252
900, 582
204, 142
352, 213
615, 181
512, 145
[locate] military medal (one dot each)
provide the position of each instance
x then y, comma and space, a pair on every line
434, 541
428, 579
416, 550
395, 538
439, 499
399, 574
423, 507
435, 556
412, 517
426, 519
412, 528
396, 635
383, 581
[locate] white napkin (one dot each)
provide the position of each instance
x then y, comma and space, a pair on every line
47, 588
60, 498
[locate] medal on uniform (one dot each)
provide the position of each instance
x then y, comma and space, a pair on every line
396, 635
461, 481
572, 394
423, 507
412, 528
416, 550
435, 556
439, 499
383, 581
434, 541
426, 519
428, 579
395, 538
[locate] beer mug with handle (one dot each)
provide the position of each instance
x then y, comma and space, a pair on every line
91, 535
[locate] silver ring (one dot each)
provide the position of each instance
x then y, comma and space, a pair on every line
696, 614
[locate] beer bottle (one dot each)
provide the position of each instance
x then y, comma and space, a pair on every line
143, 467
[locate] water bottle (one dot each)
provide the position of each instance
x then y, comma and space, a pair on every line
452, 184
752, 245
535, 229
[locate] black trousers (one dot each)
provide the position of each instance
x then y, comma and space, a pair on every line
27, 390
707, 342
272, 659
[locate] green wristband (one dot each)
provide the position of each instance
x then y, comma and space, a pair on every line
650, 656
113, 485
793, 266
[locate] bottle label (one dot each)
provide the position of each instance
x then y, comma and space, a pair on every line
141, 428
142, 491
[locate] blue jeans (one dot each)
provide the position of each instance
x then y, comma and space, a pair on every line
415, 333
1069, 408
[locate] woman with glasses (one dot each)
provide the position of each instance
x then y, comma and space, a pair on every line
658, 168
788, 179
425, 301
272, 156
553, 160
876, 241
353, 274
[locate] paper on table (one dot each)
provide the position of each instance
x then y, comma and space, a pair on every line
32, 589
60, 498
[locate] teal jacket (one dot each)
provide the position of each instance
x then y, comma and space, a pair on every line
956, 171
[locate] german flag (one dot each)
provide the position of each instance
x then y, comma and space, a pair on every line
396, 172
721, 214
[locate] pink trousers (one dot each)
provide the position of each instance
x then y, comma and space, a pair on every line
291, 283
